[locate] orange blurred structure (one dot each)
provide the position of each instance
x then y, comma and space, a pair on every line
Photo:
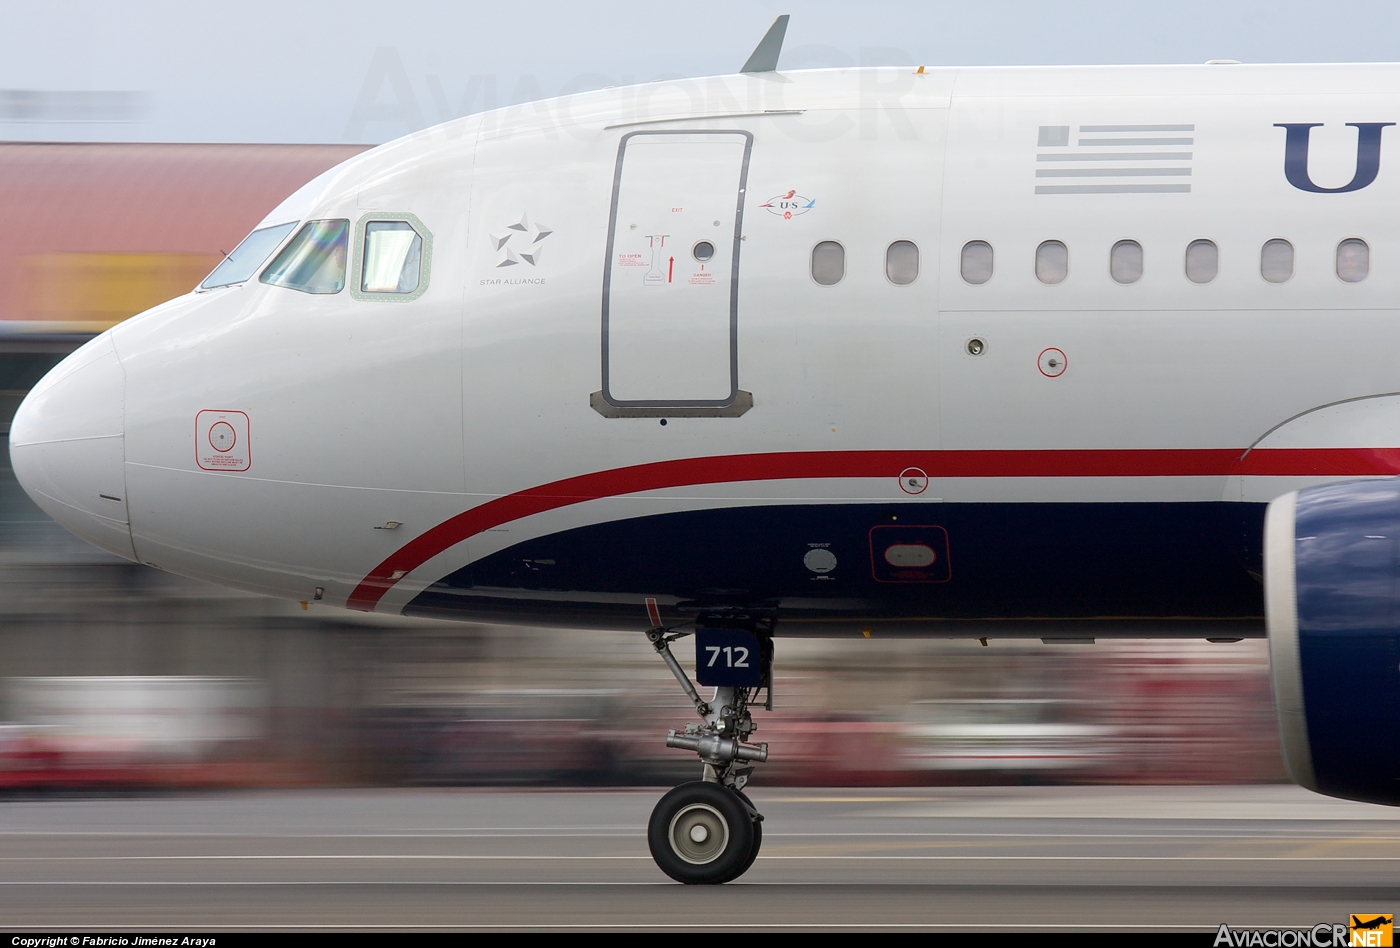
93, 233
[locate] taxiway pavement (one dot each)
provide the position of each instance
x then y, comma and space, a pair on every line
990, 858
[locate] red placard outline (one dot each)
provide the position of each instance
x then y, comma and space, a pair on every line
247, 432
947, 552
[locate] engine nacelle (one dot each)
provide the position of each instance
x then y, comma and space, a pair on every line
1332, 598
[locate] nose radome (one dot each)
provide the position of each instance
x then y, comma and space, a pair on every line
66, 446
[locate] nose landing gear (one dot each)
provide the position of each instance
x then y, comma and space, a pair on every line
708, 832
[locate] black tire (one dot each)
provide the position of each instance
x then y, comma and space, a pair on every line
757, 839
700, 834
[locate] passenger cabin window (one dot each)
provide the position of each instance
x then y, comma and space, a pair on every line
1276, 261
314, 260
902, 262
1051, 262
1125, 261
393, 258
1353, 260
828, 263
240, 265
976, 265
1202, 261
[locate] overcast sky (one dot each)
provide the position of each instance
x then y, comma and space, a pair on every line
290, 71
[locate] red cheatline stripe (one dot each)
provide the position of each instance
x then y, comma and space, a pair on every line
687, 472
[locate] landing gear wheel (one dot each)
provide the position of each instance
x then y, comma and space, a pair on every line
701, 834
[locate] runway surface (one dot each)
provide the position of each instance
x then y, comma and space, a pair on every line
1119, 858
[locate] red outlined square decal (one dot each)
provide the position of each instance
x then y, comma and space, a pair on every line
221, 440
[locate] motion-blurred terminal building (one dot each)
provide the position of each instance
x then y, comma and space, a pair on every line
95, 233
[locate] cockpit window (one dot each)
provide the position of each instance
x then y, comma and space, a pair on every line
243, 262
393, 258
314, 260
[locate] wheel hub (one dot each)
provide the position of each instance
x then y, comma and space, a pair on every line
699, 834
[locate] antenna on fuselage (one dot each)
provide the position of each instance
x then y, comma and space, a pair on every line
764, 57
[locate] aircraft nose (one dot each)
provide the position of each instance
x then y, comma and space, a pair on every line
66, 446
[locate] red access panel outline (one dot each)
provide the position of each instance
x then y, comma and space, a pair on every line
221, 440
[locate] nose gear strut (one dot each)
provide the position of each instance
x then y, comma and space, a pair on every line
708, 832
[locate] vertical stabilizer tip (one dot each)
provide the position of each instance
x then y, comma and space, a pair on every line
765, 55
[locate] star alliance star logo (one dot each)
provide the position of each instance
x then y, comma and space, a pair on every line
527, 247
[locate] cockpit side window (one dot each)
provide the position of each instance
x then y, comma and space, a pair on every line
393, 254
240, 265
393, 258
314, 260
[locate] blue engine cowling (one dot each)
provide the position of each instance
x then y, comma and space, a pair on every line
1332, 593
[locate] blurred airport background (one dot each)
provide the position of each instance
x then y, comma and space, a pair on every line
116, 675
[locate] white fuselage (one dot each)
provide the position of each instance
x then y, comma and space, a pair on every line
497, 382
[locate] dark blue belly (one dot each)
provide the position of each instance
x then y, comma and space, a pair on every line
1042, 570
